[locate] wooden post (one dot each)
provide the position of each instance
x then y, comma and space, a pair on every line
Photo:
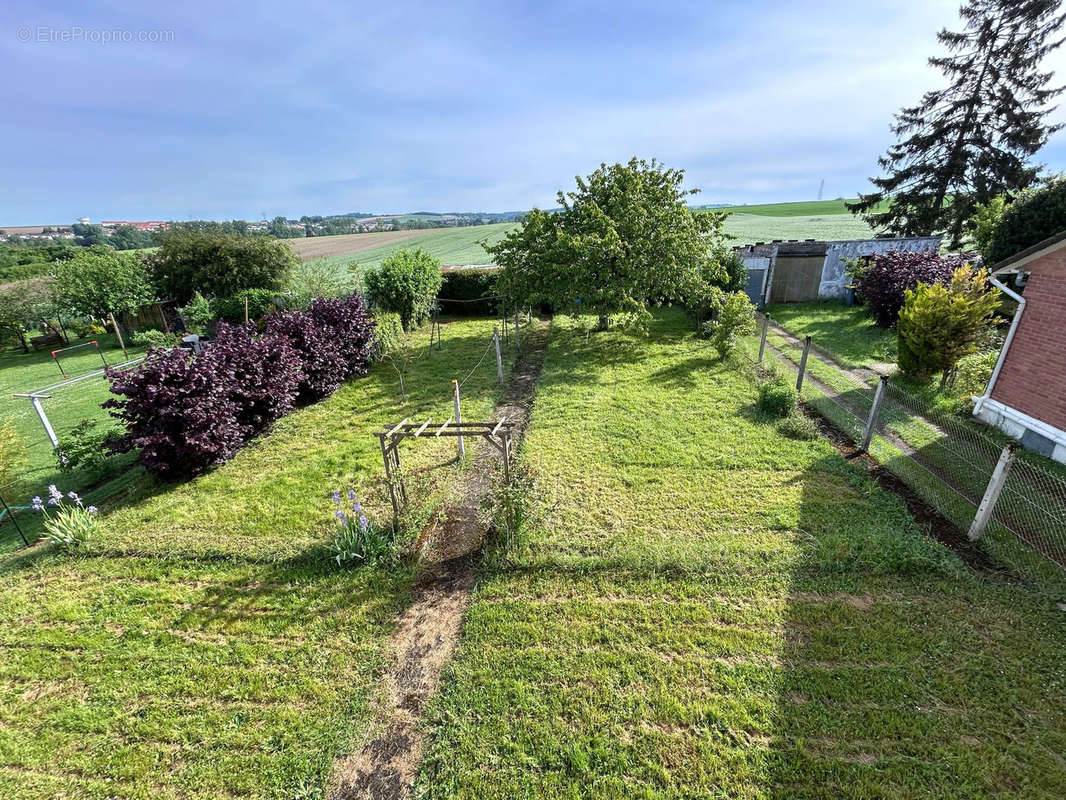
995, 486
803, 364
246, 309
118, 333
499, 357
875, 409
458, 417
765, 330
388, 478
517, 342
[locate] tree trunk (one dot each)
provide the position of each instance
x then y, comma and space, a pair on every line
605, 322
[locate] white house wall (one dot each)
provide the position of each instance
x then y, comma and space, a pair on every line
834, 279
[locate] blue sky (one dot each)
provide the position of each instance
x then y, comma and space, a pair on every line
318, 107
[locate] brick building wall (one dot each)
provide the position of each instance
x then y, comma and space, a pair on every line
1033, 378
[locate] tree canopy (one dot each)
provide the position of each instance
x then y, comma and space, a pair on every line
25, 304
623, 240
97, 281
217, 265
970, 141
1033, 216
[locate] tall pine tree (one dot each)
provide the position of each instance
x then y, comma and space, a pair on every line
970, 141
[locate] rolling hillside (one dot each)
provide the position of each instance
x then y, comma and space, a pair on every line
826, 219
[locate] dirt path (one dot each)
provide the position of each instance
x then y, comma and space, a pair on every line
427, 632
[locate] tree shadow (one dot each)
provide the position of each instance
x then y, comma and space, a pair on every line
900, 671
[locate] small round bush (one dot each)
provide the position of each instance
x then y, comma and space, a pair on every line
155, 338
799, 426
777, 397
406, 283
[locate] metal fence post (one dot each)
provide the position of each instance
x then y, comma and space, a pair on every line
499, 357
875, 409
995, 486
11, 514
458, 417
765, 330
803, 364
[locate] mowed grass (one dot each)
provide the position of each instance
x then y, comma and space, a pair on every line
67, 406
847, 333
707, 608
207, 647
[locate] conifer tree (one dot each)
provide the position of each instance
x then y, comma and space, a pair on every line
970, 141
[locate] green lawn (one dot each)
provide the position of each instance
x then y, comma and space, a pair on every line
21, 372
207, 647
847, 333
706, 608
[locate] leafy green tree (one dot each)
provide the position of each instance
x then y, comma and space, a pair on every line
24, 305
1034, 215
623, 240
126, 237
217, 265
939, 325
88, 235
406, 283
735, 318
970, 141
98, 281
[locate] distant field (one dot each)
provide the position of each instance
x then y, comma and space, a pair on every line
751, 228
806, 208
328, 246
451, 245
827, 219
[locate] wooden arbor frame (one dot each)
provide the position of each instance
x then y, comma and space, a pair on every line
498, 433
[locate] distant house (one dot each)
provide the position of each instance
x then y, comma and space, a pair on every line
793, 272
1026, 396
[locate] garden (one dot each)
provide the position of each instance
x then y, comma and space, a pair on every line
685, 588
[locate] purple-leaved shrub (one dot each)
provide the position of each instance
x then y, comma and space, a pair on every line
884, 283
180, 417
185, 413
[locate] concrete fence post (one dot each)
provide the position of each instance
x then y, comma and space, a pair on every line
875, 410
458, 417
499, 356
803, 364
765, 330
995, 486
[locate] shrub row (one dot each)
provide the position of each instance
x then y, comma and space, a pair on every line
185, 413
466, 288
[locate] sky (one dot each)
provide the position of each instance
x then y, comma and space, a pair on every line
193, 110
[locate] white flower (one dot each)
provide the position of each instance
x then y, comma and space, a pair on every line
91, 509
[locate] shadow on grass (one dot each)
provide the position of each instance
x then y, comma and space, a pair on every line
884, 689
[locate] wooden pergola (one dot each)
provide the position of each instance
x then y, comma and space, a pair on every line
498, 433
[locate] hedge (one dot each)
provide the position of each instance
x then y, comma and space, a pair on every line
466, 288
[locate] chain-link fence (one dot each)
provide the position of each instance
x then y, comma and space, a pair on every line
974, 476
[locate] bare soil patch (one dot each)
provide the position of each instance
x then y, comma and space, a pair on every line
427, 632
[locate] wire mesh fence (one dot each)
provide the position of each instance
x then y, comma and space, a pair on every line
948, 460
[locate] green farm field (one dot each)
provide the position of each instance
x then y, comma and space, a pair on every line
747, 224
